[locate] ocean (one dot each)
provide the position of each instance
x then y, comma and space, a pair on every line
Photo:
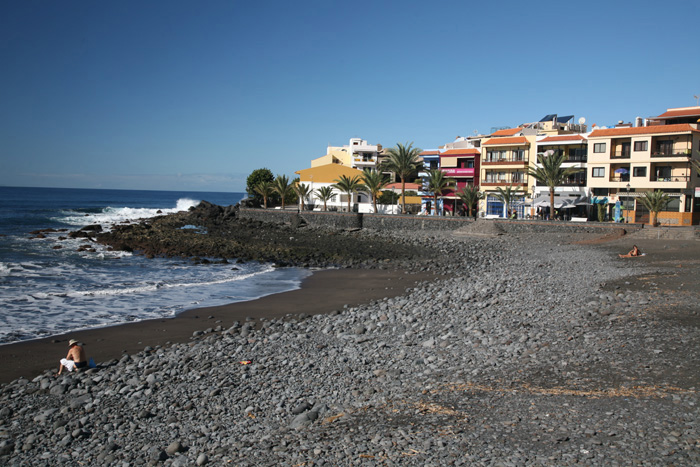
48, 287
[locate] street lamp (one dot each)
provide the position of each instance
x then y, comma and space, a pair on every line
627, 214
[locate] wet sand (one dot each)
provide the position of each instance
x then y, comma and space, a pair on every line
322, 292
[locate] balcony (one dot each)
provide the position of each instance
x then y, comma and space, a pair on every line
673, 178
498, 181
504, 161
458, 172
683, 153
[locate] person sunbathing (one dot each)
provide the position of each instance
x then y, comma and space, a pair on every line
633, 252
75, 360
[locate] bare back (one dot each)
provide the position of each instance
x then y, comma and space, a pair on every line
76, 353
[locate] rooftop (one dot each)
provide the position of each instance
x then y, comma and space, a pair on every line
507, 132
516, 140
644, 130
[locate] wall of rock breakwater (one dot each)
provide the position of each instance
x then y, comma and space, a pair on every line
343, 220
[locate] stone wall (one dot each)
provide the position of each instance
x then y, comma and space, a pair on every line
525, 226
402, 222
379, 222
337, 220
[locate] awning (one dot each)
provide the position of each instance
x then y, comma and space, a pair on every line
561, 202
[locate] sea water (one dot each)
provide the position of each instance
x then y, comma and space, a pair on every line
45, 290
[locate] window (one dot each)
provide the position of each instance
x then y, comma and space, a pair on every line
639, 171
673, 206
599, 147
640, 146
518, 154
600, 192
599, 171
665, 147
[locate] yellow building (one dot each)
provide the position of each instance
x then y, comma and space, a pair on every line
327, 175
505, 158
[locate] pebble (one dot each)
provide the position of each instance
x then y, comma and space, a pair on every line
510, 359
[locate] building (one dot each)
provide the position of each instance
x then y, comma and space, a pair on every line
505, 158
327, 175
358, 154
572, 195
625, 162
461, 165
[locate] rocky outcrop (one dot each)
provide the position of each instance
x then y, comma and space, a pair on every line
214, 231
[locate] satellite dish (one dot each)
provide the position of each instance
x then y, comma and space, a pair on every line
581, 121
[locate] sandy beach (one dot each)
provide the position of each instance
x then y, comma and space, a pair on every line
322, 292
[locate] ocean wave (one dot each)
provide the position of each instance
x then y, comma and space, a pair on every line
154, 286
113, 215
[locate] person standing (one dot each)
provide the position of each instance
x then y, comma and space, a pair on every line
75, 358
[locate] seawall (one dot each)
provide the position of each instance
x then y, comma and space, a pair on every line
379, 222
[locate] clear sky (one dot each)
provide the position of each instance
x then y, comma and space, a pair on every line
195, 95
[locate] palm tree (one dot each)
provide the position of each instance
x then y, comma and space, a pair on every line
469, 195
654, 201
374, 183
403, 161
437, 185
551, 173
348, 185
507, 195
283, 187
264, 189
303, 191
325, 193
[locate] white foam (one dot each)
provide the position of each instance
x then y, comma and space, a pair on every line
114, 215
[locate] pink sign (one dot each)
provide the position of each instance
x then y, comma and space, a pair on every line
458, 172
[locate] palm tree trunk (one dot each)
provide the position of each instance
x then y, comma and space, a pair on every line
374, 201
551, 203
403, 196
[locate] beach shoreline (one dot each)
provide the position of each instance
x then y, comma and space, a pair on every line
323, 291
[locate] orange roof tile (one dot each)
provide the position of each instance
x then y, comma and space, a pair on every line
681, 112
505, 141
642, 130
507, 132
429, 153
552, 139
460, 152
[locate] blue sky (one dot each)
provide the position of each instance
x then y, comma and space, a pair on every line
185, 95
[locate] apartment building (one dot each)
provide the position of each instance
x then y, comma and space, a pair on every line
505, 158
573, 194
358, 154
624, 162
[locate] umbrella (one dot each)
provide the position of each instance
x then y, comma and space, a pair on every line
622, 171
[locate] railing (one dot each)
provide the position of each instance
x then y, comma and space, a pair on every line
504, 181
620, 178
576, 159
620, 156
670, 154
504, 160
675, 178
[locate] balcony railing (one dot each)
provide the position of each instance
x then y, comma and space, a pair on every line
505, 160
674, 178
576, 159
684, 153
505, 181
